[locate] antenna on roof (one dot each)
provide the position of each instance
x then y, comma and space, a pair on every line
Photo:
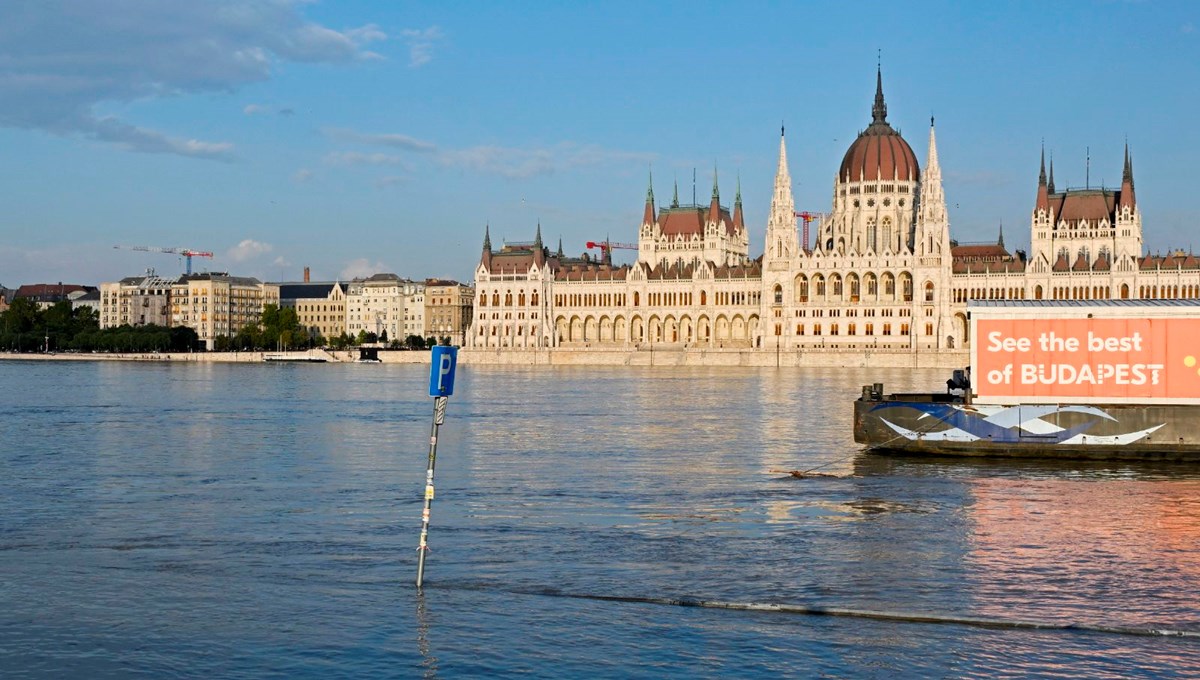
693, 186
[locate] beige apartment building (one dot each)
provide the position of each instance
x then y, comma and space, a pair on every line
320, 307
385, 303
214, 305
448, 307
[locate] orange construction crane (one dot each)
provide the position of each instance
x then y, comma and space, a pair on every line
187, 253
606, 247
807, 217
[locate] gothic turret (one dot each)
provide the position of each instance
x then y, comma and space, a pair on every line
782, 242
1043, 198
738, 222
1127, 198
933, 224
714, 208
648, 213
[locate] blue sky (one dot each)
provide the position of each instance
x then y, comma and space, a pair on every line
358, 137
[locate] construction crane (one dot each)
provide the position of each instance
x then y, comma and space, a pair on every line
187, 253
807, 217
606, 247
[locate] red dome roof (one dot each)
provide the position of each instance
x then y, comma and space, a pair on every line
879, 153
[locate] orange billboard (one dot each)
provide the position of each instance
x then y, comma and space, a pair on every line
1087, 360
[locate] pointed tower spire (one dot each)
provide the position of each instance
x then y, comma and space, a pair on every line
675, 197
933, 221
486, 260
1042, 174
648, 213
714, 208
738, 222
1127, 197
1000, 241
1043, 190
1050, 185
782, 242
879, 110
537, 239
559, 254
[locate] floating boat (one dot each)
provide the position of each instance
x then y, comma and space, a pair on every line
1104, 380
292, 359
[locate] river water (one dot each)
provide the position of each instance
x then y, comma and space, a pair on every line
197, 520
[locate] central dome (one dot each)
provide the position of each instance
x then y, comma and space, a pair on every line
879, 153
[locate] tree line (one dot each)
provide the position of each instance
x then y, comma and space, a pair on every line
25, 327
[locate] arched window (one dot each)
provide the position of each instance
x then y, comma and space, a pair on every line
872, 284
778, 294
871, 234
887, 233
819, 285
929, 291
835, 282
801, 288
889, 285
906, 286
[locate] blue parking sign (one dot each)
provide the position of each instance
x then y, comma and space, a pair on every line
441, 371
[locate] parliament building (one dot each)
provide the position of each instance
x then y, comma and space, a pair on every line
881, 273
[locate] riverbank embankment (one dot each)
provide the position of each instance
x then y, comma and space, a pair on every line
822, 358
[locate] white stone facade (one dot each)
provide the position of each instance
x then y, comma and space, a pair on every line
883, 273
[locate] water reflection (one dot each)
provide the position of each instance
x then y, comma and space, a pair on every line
271, 513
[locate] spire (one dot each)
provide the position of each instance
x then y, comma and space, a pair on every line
933, 222
675, 198
1127, 195
487, 238
879, 111
648, 213
782, 241
1042, 174
1043, 190
560, 252
714, 208
738, 222
1050, 186
537, 240
1000, 241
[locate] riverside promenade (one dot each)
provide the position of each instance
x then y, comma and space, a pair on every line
827, 358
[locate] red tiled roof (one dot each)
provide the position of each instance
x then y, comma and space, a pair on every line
979, 251
689, 221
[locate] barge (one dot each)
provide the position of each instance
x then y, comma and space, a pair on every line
1096, 379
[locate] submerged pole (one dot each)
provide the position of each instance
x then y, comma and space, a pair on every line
441, 386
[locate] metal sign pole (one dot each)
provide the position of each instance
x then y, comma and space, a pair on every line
439, 416
441, 386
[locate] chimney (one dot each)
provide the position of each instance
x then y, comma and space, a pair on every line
306, 274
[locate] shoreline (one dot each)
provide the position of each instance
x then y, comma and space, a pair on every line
814, 358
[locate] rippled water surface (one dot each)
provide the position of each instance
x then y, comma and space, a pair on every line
165, 520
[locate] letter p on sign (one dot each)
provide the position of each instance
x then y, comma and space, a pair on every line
441, 371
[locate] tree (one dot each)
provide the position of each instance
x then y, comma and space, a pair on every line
414, 342
383, 336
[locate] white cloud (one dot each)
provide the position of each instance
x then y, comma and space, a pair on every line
252, 109
420, 44
359, 158
60, 60
248, 249
360, 268
302, 175
385, 139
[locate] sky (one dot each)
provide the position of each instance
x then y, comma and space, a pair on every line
358, 137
